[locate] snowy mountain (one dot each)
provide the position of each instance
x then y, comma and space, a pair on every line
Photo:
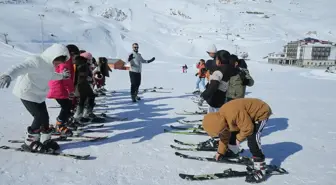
300, 136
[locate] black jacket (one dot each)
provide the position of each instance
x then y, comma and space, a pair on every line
215, 92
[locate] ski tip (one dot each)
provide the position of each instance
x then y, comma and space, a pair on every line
185, 176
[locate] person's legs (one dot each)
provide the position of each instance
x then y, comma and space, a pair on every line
138, 83
197, 83
254, 144
39, 112
202, 80
64, 114
133, 85
38, 136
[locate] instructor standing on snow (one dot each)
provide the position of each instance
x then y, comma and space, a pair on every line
135, 59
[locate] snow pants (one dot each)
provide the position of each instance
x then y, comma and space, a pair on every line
253, 141
200, 81
65, 112
39, 112
135, 82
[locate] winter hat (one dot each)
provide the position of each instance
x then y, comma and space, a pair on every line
86, 55
213, 123
73, 49
212, 49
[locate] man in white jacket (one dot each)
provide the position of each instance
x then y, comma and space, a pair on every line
32, 88
136, 61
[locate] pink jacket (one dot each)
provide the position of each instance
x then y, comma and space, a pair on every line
60, 89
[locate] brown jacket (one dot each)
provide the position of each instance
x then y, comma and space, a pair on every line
237, 115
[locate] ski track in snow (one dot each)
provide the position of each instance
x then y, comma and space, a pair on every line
300, 136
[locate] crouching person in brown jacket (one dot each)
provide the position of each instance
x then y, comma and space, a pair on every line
237, 120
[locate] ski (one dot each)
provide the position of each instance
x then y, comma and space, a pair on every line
197, 128
192, 132
184, 143
78, 157
210, 149
239, 160
229, 173
182, 121
212, 142
83, 138
191, 113
90, 126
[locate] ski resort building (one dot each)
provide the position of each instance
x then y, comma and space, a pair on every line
308, 52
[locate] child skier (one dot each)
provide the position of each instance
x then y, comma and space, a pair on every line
32, 88
201, 75
239, 81
63, 91
83, 88
246, 117
215, 92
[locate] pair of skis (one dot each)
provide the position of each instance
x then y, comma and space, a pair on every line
228, 173
55, 153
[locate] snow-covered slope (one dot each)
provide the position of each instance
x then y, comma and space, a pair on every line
168, 28
300, 135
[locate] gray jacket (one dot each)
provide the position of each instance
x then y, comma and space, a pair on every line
136, 62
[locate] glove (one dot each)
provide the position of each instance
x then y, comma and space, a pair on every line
218, 156
246, 82
151, 60
71, 96
130, 57
5, 80
196, 74
66, 74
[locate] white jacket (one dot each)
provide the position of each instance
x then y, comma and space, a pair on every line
34, 74
136, 63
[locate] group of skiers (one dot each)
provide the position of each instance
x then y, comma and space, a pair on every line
70, 76
231, 117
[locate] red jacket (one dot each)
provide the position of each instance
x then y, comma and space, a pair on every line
60, 89
200, 67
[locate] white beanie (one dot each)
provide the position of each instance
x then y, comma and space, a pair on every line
212, 49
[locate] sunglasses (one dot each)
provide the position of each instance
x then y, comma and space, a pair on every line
135, 47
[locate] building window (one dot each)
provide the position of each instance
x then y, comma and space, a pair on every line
320, 53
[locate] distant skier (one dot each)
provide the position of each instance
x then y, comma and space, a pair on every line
237, 120
200, 75
136, 61
32, 88
185, 68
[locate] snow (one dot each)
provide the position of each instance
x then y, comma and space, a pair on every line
300, 135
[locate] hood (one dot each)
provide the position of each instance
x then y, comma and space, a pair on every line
213, 124
55, 51
212, 48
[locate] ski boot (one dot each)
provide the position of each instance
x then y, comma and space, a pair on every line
32, 141
62, 129
49, 144
133, 96
136, 96
257, 173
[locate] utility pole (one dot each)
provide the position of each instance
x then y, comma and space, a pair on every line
6, 40
236, 49
42, 30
